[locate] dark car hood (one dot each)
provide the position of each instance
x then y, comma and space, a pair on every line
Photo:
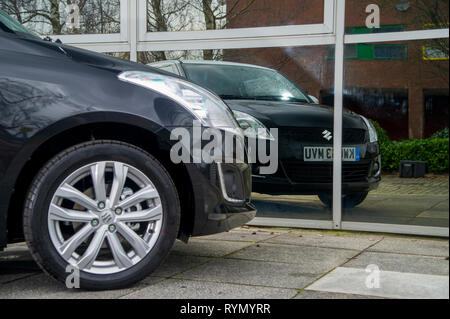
98, 60
279, 114
104, 61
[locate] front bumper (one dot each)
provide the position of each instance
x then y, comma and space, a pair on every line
275, 186
296, 177
222, 197
221, 190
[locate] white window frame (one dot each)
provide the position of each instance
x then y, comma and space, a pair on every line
214, 38
115, 41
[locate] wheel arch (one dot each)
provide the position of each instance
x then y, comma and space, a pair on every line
127, 128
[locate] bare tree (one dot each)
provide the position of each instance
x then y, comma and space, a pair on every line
184, 15
218, 15
49, 16
163, 16
426, 14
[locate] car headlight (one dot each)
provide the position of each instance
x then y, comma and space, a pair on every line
252, 127
373, 137
205, 106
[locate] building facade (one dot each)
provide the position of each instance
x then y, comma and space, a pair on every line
402, 85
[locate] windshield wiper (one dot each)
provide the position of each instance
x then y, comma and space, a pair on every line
47, 38
235, 97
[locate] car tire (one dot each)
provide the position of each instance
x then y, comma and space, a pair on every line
121, 249
348, 201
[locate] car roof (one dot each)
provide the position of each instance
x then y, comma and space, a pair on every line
211, 62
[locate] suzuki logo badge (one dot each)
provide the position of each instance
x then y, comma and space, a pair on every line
107, 217
327, 135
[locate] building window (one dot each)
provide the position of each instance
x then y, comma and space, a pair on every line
436, 110
433, 52
362, 51
435, 49
390, 52
381, 29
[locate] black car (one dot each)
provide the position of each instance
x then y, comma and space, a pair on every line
263, 98
85, 171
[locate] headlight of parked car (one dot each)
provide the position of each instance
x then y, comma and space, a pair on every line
251, 126
205, 106
372, 131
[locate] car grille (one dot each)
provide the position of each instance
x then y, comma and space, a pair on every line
301, 172
308, 135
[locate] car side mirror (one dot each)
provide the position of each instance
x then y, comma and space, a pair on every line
314, 99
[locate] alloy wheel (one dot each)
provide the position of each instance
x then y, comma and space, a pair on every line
105, 217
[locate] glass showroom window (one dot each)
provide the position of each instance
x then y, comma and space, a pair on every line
184, 15
232, 19
390, 74
401, 88
272, 88
60, 18
401, 116
87, 24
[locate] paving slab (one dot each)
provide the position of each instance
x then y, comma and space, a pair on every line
247, 272
16, 263
430, 185
429, 222
41, 286
15, 252
413, 246
440, 210
175, 264
309, 294
207, 248
398, 209
260, 263
242, 235
310, 260
189, 289
391, 284
324, 239
401, 209
9, 278
401, 263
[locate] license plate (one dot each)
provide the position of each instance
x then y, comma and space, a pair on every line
325, 154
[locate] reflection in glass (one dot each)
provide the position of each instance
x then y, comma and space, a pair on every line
407, 100
273, 85
398, 15
51, 17
199, 15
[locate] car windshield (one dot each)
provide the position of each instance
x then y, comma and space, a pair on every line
8, 24
244, 82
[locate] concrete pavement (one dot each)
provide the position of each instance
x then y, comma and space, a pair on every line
267, 263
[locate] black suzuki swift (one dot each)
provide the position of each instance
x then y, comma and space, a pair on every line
262, 98
85, 171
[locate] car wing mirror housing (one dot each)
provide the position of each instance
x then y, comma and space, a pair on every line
314, 99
